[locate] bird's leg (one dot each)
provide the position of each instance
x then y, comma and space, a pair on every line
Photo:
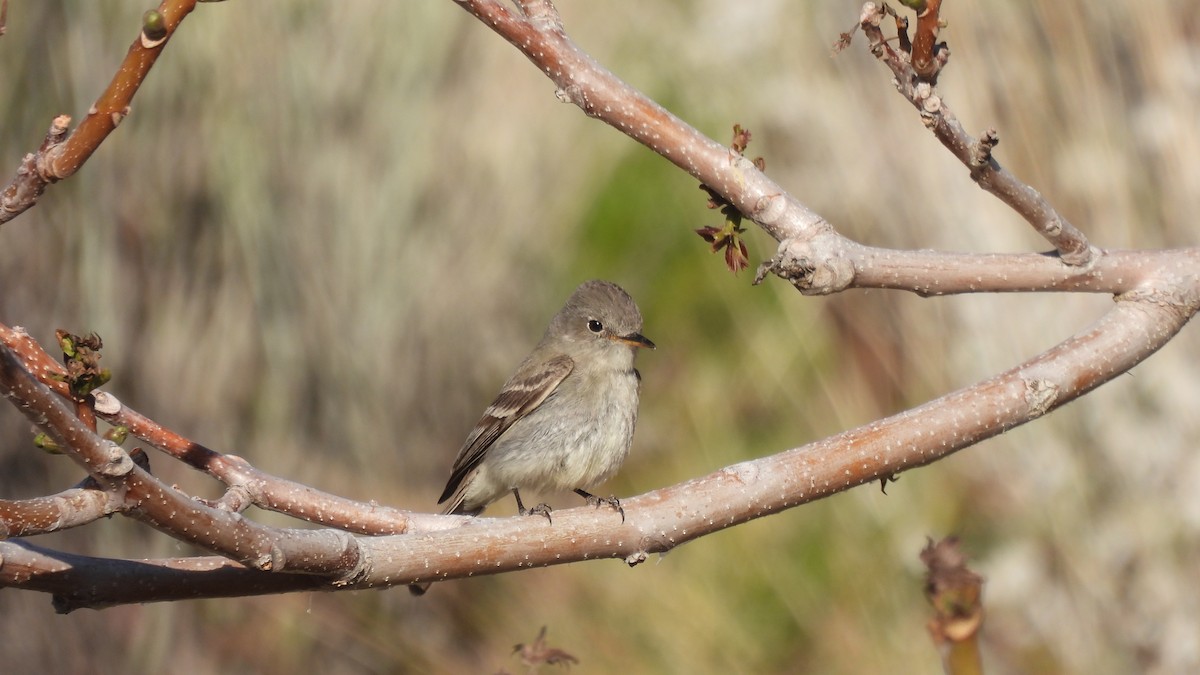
597, 501
539, 510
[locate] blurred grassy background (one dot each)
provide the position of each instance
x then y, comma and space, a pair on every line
327, 233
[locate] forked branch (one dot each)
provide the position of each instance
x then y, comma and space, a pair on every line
1156, 294
660, 520
912, 81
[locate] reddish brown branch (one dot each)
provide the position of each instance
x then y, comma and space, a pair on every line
251, 485
975, 154
85, 503
247, 484
924, 40
165, 508
62, 158
956, 593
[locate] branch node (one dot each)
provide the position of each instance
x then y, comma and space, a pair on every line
105, 403
118, 462
541, 14
574, 94
118, 115
981, 149
1042, 395
235, 500
872, 15
271, 560
769, 208
798, 270
816, 266
58, 131
926, 96
636, 558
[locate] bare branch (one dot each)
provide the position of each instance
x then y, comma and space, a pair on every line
28, 185
79, 581
1157, 293
975, 154
600, 94
665, 518
831, 263
85, 503
67, 509
658, 521
956, 593
165, 508
62, 158
247, 484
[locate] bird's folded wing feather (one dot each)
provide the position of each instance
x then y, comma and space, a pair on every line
522, 394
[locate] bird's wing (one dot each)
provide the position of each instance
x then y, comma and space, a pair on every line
521, 395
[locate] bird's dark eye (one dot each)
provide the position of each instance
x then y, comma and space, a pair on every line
595, 326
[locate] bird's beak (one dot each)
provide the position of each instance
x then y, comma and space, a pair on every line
635, 340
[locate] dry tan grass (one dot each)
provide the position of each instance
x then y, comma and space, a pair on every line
328, 231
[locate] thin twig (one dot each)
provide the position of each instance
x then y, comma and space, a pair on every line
54, 162
975, 154
260, 488
165, 508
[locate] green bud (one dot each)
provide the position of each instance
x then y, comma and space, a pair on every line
46, 444
117, 434
154, 25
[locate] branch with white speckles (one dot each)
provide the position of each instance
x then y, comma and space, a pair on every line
812, 255
657, 521
975, 153
1156, 294
537, 31
246, 485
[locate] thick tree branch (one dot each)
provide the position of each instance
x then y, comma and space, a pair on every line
67, 509
79, 581
538, 33
1138, 324
1156, 294
830, 263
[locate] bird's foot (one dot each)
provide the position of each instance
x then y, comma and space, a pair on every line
595, 501
542, 509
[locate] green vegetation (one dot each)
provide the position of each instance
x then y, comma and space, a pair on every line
327, 231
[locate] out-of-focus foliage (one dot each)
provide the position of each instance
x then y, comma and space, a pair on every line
328, 231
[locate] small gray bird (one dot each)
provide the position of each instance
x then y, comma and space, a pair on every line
565, 418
